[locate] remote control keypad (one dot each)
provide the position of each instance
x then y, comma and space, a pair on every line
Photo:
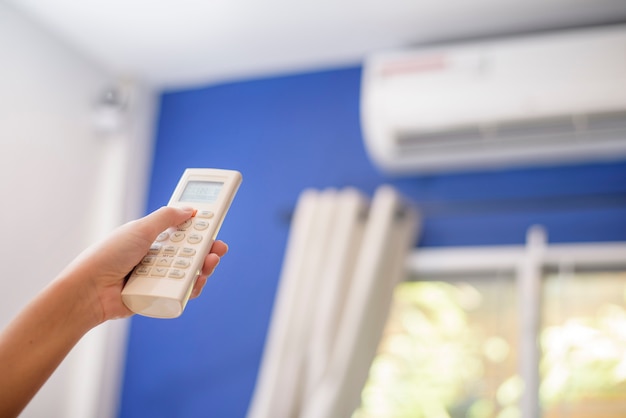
171, 253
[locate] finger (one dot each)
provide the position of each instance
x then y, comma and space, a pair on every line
198, 287
164, 217
220, 248
210, 262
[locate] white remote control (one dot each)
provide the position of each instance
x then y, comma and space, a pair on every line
162, 282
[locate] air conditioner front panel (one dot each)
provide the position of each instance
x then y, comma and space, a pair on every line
469, 98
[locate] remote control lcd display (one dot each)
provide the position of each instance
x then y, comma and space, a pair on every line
201, 192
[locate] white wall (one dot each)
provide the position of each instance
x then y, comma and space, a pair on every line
62, 186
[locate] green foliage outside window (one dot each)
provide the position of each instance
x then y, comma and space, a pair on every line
450, 350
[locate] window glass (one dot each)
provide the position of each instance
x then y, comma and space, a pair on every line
449, 350
583, 342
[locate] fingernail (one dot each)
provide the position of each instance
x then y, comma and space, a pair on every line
190, 210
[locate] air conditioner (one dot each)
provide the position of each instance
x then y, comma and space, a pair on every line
518, 101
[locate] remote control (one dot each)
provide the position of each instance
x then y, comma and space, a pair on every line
160, 285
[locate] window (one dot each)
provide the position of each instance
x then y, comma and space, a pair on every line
461, 325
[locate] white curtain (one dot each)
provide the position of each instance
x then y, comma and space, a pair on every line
344, 256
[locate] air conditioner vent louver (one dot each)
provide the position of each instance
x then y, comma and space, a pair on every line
607, 121
458, 135
535, 132
529, 128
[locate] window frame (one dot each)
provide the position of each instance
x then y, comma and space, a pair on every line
527, 263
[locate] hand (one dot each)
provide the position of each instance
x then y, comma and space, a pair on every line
85, 294
103, 267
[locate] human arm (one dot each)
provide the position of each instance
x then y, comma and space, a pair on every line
85, 294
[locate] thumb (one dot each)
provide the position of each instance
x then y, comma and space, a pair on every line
163, 218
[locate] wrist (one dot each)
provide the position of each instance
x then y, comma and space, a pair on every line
76, 292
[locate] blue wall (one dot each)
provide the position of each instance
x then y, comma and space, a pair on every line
285, 134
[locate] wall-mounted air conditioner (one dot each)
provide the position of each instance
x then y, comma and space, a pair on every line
539, 99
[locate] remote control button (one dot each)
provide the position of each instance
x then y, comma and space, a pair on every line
142, 270
204, 214
154, 249
194, 238
177, 236
148, 260
187, 252
170, 250
182, 263
159, 271
164, 261
185, 224
201, 225
162, 236
176, 274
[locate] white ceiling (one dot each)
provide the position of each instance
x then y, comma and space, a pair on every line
176, 43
